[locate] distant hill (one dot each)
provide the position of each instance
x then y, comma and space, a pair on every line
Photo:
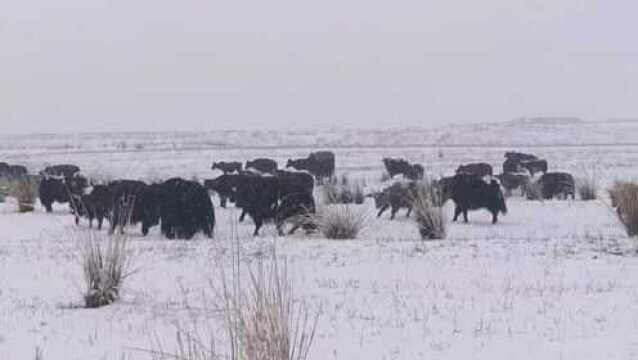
537, 131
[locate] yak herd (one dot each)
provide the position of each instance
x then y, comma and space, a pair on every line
261, 190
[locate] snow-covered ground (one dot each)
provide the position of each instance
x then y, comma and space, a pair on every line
552, 280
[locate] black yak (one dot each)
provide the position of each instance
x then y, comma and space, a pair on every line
478, 169
262, 165
227, 167
470, 192
185, 209
320, 164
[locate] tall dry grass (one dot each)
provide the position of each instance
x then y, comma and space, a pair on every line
428, 200
106, 263
587, 186
261, 319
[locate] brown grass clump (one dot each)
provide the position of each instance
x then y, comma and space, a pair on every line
25, 190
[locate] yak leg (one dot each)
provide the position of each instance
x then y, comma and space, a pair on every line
457, 212
465, 215
409, 212
384, 208
393, 212
258, 222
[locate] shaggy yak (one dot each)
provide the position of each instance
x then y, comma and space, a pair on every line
320, 164
185, 209
470, 192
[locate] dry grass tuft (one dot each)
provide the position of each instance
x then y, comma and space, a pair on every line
344, 192
340, 222
25, 190
587, 187
428, 207
106, 264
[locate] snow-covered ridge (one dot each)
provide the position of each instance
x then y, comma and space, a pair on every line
546, 131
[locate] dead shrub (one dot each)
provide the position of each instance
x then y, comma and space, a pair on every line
106, 264
25, 190
341, 221
427, 202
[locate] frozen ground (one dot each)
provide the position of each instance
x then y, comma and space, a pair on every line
552, 280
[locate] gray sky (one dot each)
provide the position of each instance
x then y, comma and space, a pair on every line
104, 65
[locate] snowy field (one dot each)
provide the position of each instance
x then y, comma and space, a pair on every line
552, 280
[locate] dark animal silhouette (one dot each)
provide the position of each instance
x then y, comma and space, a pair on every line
535, 166
96, 205
513, 181
470, 192
263, 165
185, 209
397, 196
61, 190
478, 169
401, 166
557, 184
320, 164
4, 169
227, 167
513, 161
259, 197
134, 202
415, 172
295, 181
17, 171
63, 170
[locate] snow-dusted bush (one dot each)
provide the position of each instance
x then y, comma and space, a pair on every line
340, 221
430, 218
624, 197
587, 187
106, 264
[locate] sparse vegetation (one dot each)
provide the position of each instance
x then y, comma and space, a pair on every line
341, 221
106, 264
344, 191
624, 197
587, 187
427, 204
261, 319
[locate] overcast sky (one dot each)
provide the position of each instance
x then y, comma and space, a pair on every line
104, 65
